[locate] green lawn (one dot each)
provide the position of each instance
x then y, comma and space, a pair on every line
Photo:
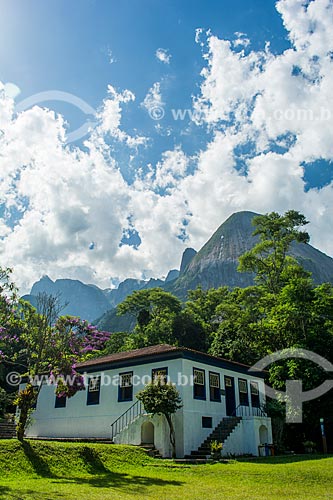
51, 471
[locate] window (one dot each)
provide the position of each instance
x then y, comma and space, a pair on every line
243, 393
207, 422
125, 391
94, 387
255, 398
199, 387
214, 387
228, 381
157, 373
60, 402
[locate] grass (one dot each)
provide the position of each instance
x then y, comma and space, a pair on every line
76, 471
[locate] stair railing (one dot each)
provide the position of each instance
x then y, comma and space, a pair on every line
248, 411
126, 418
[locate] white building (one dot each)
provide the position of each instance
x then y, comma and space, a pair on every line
221, 399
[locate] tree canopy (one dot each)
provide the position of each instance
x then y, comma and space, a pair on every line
268, 259
33, 345
162, 398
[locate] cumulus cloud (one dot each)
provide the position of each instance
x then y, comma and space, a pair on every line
280, 109
167, 172
163, 55
242, 40
65, 210
110, 117
153, 97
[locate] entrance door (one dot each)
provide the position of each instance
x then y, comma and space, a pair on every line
230, 398
147, 433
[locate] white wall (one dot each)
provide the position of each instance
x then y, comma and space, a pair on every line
78, 419
195, 409
246, 437
132, 434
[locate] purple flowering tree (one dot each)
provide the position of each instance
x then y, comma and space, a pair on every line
43, 351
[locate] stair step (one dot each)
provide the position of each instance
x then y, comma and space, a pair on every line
193, 461
221, 432
151, 450
7, 430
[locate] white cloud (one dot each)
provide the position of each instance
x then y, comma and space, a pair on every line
111, 57
153, 97
167, 173
241, 41
155, 106
110, 117
163, 55
269, 99
64, 199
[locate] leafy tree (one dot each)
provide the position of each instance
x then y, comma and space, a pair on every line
161, 319
189, 332
6, 400
155, 311
268, 258
202, 305
116, 343
149, 304
238, 320
55, 352
32, 344
161, 398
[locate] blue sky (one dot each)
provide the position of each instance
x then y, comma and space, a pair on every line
68, 46
245, 78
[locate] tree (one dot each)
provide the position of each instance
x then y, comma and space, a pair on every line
155, 311
6, 400
268, 258
201, 307
55, 352
116, 343
238, 324
148, 304
161, 398
39, 349
189, 332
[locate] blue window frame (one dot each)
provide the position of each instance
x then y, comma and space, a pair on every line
94, 389
255, 396
125, 388
207, 422
60, 402
243, 392
159, 373
199, 384
214, 387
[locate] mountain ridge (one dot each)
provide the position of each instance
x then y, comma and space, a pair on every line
214, 265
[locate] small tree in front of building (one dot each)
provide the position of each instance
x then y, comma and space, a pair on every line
162, 398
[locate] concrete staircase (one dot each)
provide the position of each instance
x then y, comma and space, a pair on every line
7, 430
221, 433
151, 450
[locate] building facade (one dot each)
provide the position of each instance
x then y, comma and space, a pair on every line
213, 391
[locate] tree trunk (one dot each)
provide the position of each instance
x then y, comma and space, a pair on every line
25, 401
172, 434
